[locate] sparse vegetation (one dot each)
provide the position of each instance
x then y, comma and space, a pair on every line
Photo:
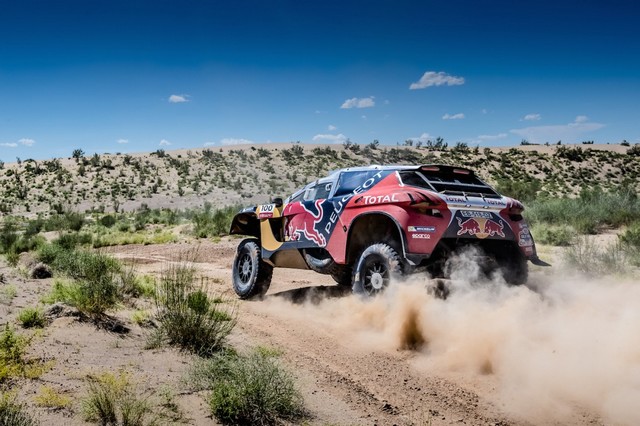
189, 317
31, 317
248, 389
13, 362
587, 257
13, 413
48, 397
113, 400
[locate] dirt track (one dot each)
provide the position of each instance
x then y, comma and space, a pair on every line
351, 356
404, 358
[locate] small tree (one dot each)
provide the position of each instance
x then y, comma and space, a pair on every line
77, 154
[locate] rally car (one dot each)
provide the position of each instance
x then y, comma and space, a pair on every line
361, 225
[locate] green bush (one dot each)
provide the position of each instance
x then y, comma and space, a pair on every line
593, 209
107, 221
188, 317
630, 240
69, 221
96, 285
13, 363
71, 240
113, 400
13, 413
554, 235
212, 223
31, 317
248, 389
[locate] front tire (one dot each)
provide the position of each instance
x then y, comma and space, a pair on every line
251, 275
374, 269
343, 275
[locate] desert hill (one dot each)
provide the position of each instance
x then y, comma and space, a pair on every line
246, 174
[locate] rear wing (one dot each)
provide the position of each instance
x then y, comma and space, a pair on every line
448, 180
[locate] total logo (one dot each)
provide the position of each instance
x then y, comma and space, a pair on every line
481, 227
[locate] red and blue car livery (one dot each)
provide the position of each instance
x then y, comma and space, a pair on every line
361, 225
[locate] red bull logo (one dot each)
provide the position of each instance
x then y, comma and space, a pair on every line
307, 228
480, 227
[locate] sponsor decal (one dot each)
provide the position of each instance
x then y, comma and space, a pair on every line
525, 239
495, 202
421, 229
528, 251
308, 229
473, 213
321, 216
421, 236
455, 200
480, 227
380, 199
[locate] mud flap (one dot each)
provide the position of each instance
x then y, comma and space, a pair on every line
539, 262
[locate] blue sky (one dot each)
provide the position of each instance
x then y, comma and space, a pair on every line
132, 76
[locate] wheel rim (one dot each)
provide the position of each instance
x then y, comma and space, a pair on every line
245, 268
376, 277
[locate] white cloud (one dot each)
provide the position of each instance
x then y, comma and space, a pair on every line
332, 127
568, 133
123, 141
339, 138
209, 144
364, 117
178, 99
458, 116
235, 141
422, 138
358, 103
432, 78
164, 142
9, 144
27, 142
492, 137
532, 117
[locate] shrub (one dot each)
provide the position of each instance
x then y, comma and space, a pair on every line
107, 221
113, 400
13, 413
31, 317
12, 361
586, 257
7, 293
95, 288
189, 318
630, 240
50, 398
210, 223
248, 389
555, 235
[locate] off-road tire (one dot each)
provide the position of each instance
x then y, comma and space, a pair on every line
251, 275
514, 267
374, 269
342, 274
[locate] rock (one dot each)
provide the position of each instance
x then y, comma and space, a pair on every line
40, 271
59, 310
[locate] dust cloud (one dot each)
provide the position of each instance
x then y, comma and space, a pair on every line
557, 349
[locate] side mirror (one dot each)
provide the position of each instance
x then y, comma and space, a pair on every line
278, 201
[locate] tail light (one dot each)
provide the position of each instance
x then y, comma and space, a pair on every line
425, 204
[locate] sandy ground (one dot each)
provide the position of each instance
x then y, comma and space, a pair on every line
491, 355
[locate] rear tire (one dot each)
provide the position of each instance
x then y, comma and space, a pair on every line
514, 267
374, 269
251, 275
